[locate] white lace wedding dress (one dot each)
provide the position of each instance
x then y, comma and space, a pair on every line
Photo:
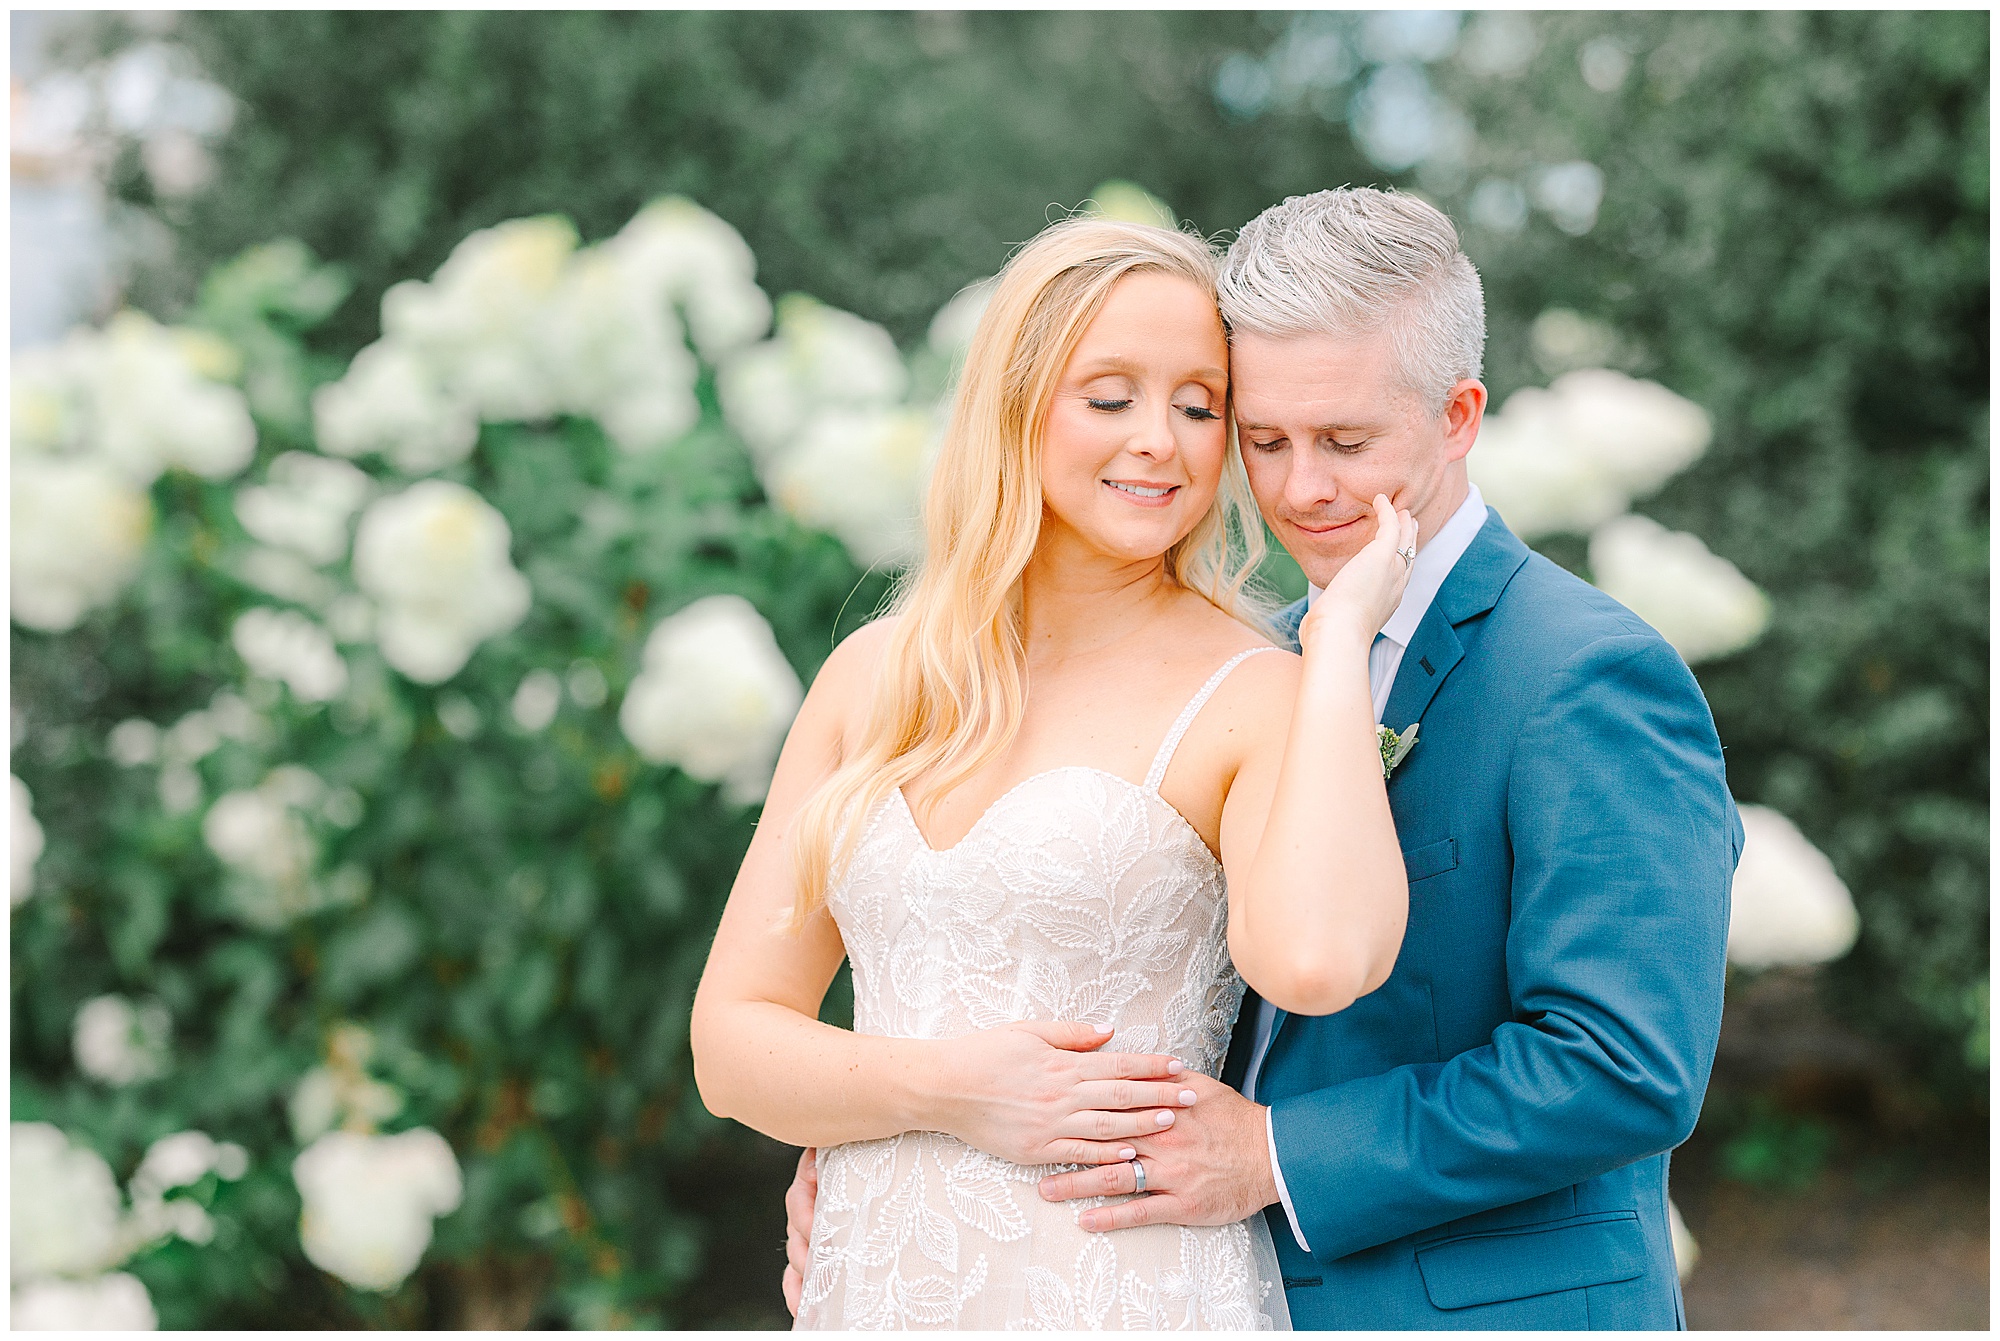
1078, 895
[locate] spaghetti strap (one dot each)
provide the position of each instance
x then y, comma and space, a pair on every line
1158, 773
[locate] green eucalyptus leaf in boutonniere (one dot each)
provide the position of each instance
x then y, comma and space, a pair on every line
1395, 746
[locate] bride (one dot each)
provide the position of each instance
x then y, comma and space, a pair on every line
1015, 805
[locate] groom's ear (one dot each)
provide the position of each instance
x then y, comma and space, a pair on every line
1464, 408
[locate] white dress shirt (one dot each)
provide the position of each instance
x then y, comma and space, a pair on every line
1435, 560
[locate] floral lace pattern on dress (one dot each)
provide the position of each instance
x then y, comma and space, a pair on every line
1078, 895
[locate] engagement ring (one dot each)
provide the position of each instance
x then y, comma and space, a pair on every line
1408, 556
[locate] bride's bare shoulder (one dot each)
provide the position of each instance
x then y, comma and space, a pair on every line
1224, 634
861, 651
845, 684
1260, 690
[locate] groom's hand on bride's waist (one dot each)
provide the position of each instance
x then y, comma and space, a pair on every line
799, 1199
1212, 1167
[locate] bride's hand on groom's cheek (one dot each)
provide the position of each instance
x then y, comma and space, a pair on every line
1213, 1167
1365, 592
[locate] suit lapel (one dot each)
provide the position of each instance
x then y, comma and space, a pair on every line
1429, 658
1474, 586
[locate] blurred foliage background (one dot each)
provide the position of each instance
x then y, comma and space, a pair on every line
1782, 217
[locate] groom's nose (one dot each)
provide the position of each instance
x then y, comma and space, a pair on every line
1312, 484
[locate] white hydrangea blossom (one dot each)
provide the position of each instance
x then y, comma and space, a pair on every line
262, 837
133, 742
329, 1097
138, 396
185, 1158
1638, 432
156, 407
175, 1161
115, 1302
391, 401
369, 1202
1686, 1251
1787, 905
616, 354
478, 320
520, 324
340, 1092
677, 251
286, 646
24, 840
305, 505
79, 535
45, 411
1575, 455
193, 738
1697, 600
858, 474
1533, 478
254, 831
820, 358
118, 1042
287, 575
536, 701
68, 1225
64, 1205
714, 696
435, 558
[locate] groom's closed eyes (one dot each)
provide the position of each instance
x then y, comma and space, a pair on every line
1340, 437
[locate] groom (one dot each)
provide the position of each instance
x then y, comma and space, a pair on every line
1481, 1142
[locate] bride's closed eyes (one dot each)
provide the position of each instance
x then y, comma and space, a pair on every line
1196, 412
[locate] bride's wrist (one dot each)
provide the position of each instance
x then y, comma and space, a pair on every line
1337, 633
934, 1098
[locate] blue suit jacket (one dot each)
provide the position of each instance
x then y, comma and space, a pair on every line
1481, 1142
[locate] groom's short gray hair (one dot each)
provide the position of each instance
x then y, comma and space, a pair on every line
1356, 261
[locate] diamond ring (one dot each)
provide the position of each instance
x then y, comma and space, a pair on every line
1408, 556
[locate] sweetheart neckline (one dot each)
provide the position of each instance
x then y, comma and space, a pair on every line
911, 815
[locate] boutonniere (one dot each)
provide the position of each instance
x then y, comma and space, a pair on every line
1396, 746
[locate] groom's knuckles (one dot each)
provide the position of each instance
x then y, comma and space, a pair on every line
1083, 1152
1132, 1066
1122, 1094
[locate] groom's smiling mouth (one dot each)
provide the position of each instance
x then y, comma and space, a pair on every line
1144, 494
1318, 527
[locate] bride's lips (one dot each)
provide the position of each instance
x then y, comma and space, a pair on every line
1126, 489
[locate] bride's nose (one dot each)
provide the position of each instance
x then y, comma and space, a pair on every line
1155, 438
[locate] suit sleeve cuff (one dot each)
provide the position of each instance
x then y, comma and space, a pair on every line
1278, 1177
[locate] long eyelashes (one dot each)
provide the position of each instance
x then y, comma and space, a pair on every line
1191, 411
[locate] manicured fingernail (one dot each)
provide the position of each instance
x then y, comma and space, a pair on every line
1188, 1096
1176, 1066
1128, 1153
1103, 1028
1165, 1119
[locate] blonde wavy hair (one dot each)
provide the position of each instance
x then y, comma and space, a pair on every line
953, 682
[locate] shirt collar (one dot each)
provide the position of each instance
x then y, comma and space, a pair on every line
1435, 561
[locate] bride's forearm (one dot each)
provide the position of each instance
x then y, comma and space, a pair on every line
1320, 918
806, 1083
